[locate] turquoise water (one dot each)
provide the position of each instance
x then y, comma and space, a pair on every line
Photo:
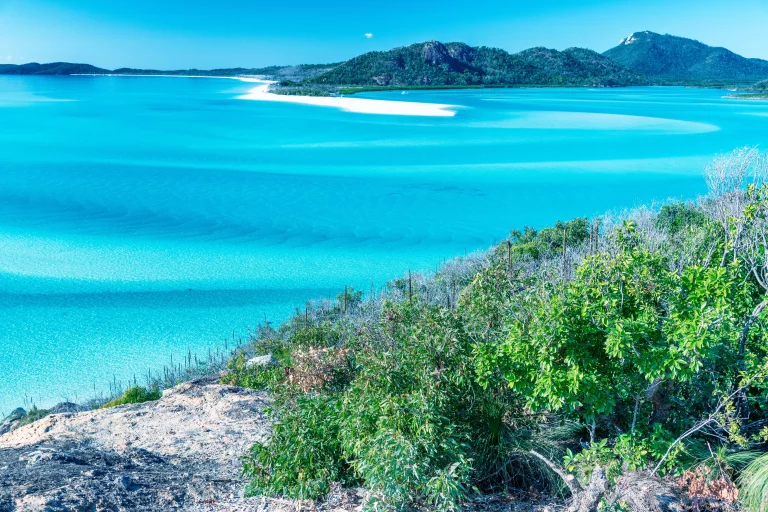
144, 217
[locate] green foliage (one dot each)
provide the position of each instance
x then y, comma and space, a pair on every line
401, 428
135, 395
635, 344
413, 425
33, 415
304, 454
628, 451
549, 241
253, 377
286, 89
677, 217
619, 506
588, 345
640, 450
349, 299
598, 454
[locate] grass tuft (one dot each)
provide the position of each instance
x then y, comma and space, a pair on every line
135, 395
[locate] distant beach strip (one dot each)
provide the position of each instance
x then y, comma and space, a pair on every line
358, 105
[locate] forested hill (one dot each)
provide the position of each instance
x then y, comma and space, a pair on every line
436, 64
679, 59
300, 72
53, 68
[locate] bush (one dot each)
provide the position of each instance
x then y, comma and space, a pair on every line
409, 421
304, 454
33, 415
135, 395
253, 377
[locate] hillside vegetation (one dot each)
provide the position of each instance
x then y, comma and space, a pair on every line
674, 58
54, 68
561, 358
437, 64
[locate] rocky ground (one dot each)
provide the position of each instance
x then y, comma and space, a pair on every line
178, 453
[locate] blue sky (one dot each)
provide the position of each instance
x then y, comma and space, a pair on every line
225, 33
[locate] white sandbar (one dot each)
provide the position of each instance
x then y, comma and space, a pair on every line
359, 105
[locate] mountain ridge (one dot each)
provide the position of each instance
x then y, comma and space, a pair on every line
668, 57
433, 63
643, 58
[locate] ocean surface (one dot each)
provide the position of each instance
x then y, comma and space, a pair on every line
145, 217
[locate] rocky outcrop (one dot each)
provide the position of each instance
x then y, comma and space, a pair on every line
182, 452
261, 361
12, 421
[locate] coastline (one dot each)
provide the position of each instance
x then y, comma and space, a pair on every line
748, 97
356, 105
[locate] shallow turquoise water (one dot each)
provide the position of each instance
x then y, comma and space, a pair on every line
144, 217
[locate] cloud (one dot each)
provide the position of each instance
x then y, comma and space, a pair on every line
368, 35
9, 58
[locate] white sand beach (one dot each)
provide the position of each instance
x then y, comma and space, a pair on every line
359, 105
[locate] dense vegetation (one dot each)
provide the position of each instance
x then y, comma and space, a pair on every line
632, 342
677, 59
437, 64
54, 68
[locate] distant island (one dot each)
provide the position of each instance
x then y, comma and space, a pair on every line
299, 72
643, 58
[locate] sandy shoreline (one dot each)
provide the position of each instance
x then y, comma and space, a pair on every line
358, 105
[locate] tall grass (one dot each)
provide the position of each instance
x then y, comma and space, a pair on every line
753, 483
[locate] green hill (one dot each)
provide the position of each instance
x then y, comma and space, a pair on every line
674, 58
456, 64
53, 68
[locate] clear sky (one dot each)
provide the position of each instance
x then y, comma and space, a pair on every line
226, 33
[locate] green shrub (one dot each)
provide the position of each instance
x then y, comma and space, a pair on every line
33, 415
253, 377
304, 454
412, 425
135, 395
